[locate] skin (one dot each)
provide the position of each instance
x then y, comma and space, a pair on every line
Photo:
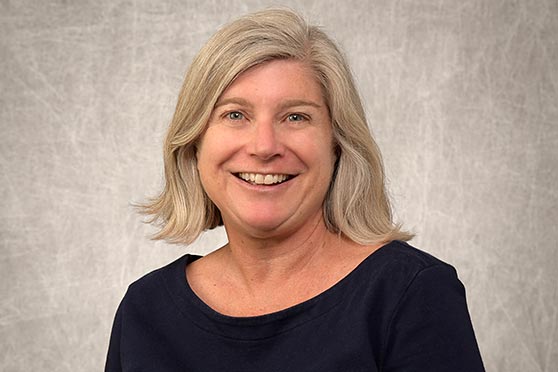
273, 120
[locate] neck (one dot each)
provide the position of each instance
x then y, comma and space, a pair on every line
261, 262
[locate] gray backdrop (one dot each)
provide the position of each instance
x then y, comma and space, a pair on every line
462, 96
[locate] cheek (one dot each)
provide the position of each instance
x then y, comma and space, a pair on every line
327, 152
207, 154
212, 155
217, 145
203, 163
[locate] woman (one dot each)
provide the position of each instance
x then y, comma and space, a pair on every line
269, 139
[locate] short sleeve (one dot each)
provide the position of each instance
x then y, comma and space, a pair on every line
431, 329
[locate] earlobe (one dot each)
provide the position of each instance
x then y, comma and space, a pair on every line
194, 156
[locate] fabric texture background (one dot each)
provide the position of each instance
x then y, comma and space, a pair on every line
462, 97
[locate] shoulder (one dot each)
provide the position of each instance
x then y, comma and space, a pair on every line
430, 304
416, 283
402, 252
401, 257
152, 283
397, 270
391, 272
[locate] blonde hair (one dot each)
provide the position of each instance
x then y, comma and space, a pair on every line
356, 204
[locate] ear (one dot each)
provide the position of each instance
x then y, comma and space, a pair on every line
195, 151
336, 148
196, 148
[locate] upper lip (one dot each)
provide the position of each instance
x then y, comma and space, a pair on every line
266, 172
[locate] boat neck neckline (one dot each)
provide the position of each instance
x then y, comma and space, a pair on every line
288, 311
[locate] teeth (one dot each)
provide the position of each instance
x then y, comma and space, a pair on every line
263, 179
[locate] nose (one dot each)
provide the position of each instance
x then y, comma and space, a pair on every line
266, 141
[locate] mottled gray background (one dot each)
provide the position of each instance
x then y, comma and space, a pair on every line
462, 96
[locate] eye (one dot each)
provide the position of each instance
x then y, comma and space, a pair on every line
296, 117
235, 115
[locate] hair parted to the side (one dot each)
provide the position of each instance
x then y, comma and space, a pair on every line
356, 204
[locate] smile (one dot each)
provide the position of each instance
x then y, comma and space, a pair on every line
263, 179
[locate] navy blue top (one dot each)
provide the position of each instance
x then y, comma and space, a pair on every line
399, 310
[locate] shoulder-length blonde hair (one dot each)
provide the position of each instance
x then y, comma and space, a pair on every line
356, 204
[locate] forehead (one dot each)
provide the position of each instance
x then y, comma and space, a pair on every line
276, 79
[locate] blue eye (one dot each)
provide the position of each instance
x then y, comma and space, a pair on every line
295, 117
235, 115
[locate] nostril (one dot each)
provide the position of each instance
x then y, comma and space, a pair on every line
265, 142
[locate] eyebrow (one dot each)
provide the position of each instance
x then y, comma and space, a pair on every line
233, 100
298, 102
283, 105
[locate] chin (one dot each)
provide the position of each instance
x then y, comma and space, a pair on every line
263, 226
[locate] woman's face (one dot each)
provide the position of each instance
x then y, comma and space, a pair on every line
266, 158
